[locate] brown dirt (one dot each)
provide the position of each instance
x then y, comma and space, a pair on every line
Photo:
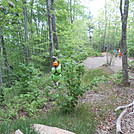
109, 96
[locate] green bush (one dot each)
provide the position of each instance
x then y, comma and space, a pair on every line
17, 106
28, 79
91, 75
72, 88
117, 78
28, 94
131, 51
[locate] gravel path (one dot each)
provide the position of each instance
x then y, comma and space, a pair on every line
95, 62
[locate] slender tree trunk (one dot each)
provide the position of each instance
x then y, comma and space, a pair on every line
5, 58
26, 31
4, 52
55, 37
50, 32
31, 22
124, 16
72, 11
1, 79
105, 31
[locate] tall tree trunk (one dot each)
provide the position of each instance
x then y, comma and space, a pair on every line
1, 79
4, 52
105, 31
50, 32
55, 37
124, 16
72, 10
71, 15
26, 31
31, 22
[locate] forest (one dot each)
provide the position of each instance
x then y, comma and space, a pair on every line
31, 33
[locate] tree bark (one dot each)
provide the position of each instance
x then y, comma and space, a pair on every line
124, 16
1, 79
71, 18
105, 30
55, 37
26, 31
4, 53
50, 32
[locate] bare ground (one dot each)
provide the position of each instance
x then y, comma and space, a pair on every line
109, 96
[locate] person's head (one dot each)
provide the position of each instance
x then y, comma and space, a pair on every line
56, 63
54, 58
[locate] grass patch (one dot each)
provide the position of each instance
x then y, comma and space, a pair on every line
79, 122
91, 74
22, 124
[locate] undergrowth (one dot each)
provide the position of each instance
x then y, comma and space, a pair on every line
80, 122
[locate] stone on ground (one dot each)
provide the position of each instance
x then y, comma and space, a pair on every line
43, 129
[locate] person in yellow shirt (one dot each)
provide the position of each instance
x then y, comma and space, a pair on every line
56, 72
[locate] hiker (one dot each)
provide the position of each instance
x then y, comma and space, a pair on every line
116, 52
56, 72
105, 48
120, 54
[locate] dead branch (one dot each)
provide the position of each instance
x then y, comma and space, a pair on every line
126, 106
118, 123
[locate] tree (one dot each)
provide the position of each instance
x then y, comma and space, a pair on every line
1, 80
107, 29
55, 37
124, 16
50, 31
26, 31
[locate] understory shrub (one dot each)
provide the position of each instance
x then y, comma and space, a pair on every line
117, 78
80, 122
131, 51
26, 96
71, 87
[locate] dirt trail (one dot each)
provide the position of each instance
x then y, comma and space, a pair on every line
95, 62
105, 96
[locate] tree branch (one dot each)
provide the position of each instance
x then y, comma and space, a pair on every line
126, 7
118, 123
126, 106
121, 9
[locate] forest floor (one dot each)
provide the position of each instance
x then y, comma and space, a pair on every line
108, 96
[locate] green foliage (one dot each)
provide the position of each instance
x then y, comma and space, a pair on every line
32, 102
117, 78
28, 79
93, 78
25, 98
131, 63
75, 84
22, 124
17, 106
131, 51
80, 122
26, 89
68, 94
93, 75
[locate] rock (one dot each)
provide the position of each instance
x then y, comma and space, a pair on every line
18, 132
43, 129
